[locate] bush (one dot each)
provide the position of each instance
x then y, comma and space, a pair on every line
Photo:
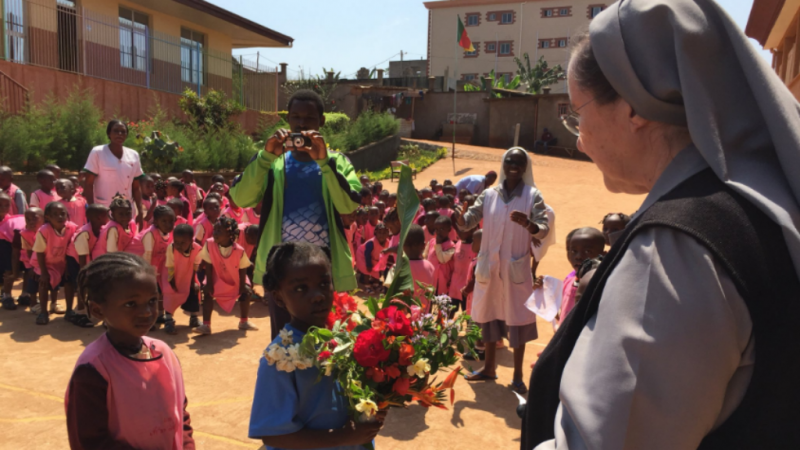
418, 159
211, 111
335, 123
369, 127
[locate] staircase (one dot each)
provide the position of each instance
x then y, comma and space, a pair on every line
13, 96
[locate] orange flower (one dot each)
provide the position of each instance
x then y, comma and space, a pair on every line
392, 371
376, 374
406, 353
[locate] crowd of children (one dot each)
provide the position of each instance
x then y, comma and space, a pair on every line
188, 237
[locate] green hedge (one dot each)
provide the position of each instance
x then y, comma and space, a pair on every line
418, 159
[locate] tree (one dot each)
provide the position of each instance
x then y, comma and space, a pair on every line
533, 79
499, 83
318, 84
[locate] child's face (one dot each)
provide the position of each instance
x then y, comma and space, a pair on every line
476, 242
348, 219
187, 177
307, 293
251, 236
222, 235
433, 183
58, 216
427, 193
65, 189
75, 181
176, 208
182, 243
122, 215
462, 195
443, 230
130, 310
582, 247
148, 188
211, 208
447, 183
438, 189
33, 219
173, 191
98, 220
611, 225
5, 180
46, 182
382, 234
364, 181
374, 216
361, 219
384, 197
165, 223
429, 207
5, 206
393, 226
366, 200
414, 251
430, 223
304, 116
161, 192
392, 202
218, 188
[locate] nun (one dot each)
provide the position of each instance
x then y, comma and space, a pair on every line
513, 213
687, 335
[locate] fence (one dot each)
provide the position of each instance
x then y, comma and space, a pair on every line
13, 96
125, 49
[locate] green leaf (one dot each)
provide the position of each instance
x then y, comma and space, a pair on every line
372, 305
407, 207
342, 347
324, 333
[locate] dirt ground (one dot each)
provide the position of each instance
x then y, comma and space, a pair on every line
220, 370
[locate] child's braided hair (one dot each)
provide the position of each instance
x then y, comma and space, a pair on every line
286, 254
624, 217
183, 230
177, 184
99, 278
230, 225
161, 184
119, 201
162, 210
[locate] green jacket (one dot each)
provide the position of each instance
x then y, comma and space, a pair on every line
340, 188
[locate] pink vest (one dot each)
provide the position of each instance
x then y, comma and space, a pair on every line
208, 228
445, 212
191, 195
180, 221
76, 210
30, 237
184, 277
12, 191
422, 271
568, 290
252, 217
378, 259
239, 217
444, 272
44, 198
145, 399
123, 240
72, 251
462, 259
226, 274
55, 256
9, 225
242, 240
369, 231
159, 256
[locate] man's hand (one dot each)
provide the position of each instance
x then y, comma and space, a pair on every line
538, 283
275, 145
458, 217
536, 242
390, 250
318, 149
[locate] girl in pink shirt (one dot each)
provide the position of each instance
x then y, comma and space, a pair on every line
126, 390
369, 227
50, 247
193, 193
76, 206
236, 213
422, 271
79, 255
176, 190
9, 226
462, 259
151, 244
177, 206
44, 195
370, 259
34, 219
179, 279
226, 275
116, 237
440, 254
204, 226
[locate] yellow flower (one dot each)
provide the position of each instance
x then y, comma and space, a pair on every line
419, 369
367, 407
356, 318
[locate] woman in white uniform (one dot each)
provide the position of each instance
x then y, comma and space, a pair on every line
513, 212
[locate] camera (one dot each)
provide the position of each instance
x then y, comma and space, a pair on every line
298, 140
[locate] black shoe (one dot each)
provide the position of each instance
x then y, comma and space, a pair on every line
162, 319
169, 327
70, 316
8, 303
24, 300
194, 322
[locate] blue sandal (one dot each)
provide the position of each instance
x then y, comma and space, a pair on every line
479, 376
519, 387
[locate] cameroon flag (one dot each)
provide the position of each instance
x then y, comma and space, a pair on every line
463, 39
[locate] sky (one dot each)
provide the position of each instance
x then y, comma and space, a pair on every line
346, 35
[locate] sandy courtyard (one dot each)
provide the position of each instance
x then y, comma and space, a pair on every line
219, 370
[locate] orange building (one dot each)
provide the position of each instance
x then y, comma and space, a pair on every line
775, 25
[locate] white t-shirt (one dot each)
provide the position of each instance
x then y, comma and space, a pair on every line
114, 175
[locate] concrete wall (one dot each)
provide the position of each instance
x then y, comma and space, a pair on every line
408, 68
375, 156
549, 118
505, 114
430, 113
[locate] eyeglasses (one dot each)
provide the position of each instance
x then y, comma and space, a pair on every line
572, 121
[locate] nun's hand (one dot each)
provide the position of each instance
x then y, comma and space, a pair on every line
458, 216
520, 218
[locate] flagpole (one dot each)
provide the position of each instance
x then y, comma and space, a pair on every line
455, 104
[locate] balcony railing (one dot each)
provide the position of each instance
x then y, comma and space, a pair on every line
59, 35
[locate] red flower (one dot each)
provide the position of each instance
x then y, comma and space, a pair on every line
396, 320
401, 386
368, 350
324, 355
332, 344
392, 371
406, 353
376, 374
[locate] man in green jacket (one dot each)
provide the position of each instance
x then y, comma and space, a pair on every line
304, 192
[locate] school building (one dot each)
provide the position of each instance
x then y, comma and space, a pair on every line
776, 26
501, 30
131, 48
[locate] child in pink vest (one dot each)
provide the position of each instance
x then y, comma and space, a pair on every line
226, 275
221, 190
374, 219
130, 382
349, 223
176, 190
116, 237
151, 244
76, 206
7, 185
177, 207
440, 254
203, 228
252, 216
193, 193
79, 255
235, 212
361, 221
248, 239
370, 259
50, 247
179, 279
582, 244
462, 259
44, 195
9, 225
34, 219
422, 271
430, 225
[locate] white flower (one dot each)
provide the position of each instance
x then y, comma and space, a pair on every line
286, 336
419, 369
367, 407
303, 363
275, 353
356, 318
293, 351
286, 365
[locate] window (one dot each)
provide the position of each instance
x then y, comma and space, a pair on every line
491, 17
548, 13
505, 76
507, 18
133, 39
490, 47
563, 109
564, 12
505, 48
594, 10
545, 44
473, 20
562, 42
469, 76
192, 56
475, 53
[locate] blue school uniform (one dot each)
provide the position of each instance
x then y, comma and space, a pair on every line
287, 402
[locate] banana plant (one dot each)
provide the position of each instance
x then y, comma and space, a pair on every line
159, 152
498, 83
540, 75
